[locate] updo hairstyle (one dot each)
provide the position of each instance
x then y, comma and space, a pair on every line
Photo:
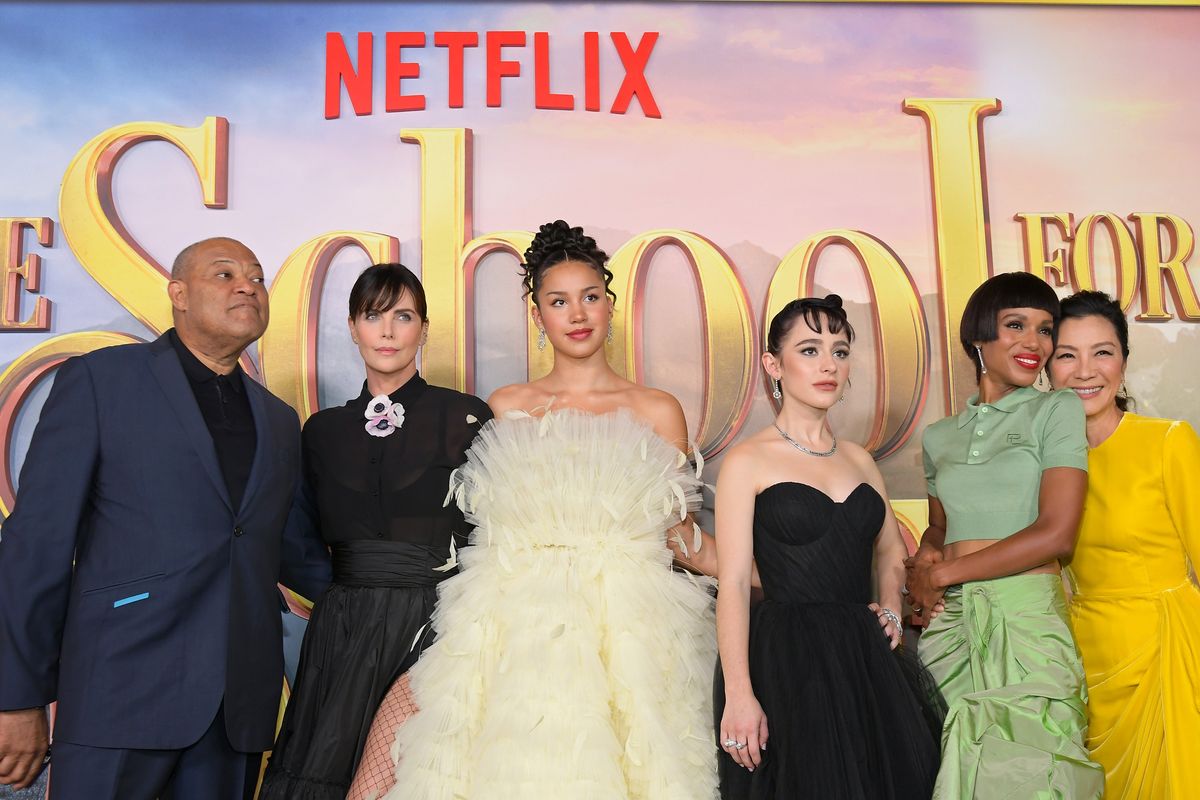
555, 243
816, 312
1098, 304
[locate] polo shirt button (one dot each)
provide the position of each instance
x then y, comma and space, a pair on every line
979, 433
974, 452
238, 531
985, 409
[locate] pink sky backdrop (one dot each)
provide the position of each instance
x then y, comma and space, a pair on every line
779, 120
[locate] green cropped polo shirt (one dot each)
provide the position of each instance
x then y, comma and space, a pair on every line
985, 465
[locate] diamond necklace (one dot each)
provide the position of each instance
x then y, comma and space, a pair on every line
803, 449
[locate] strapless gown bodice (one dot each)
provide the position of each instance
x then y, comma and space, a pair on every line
812, 549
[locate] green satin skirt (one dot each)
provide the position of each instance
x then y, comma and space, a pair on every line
1003, 656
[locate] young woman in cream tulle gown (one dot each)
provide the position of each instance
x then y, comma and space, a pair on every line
571, 661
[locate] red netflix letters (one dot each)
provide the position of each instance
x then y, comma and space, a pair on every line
501, 60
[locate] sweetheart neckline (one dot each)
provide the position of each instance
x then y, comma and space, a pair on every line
841, 502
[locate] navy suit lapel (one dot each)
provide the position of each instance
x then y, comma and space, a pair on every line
169, 373
263, 442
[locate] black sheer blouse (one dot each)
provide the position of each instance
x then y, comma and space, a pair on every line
391, 488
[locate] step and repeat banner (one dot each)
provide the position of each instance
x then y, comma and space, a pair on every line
728, 156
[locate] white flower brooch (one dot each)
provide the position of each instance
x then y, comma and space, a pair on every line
383, 416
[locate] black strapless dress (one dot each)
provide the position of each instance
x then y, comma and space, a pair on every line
846, 716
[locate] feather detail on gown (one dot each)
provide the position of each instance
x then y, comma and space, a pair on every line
570, 660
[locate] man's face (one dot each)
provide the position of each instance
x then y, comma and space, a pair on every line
221, 297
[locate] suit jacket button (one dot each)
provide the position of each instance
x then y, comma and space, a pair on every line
238, 531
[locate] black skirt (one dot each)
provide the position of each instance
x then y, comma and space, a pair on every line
847, 718
365, 632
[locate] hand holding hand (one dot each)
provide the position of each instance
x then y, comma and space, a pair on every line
745, 724
24, 739
923, 592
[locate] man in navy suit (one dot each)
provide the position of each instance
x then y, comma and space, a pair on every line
138, 568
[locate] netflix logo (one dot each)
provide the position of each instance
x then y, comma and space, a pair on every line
404, 89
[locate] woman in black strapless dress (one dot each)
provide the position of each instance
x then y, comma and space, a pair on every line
816, 670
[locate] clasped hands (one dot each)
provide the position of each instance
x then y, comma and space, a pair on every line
924, 592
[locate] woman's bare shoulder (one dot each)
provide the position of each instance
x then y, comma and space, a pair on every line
518, 397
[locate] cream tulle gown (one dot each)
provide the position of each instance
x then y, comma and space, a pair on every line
571, 662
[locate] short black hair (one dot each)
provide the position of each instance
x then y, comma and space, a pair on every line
381, 285
555, 243
816, 312
1007, 290
1098, 304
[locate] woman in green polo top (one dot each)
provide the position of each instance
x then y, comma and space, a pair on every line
1006, 479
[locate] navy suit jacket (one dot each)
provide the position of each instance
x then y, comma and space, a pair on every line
130, 590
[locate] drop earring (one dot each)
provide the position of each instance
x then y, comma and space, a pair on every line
608, 338
541, 342
849, 386
982, 367
778, 393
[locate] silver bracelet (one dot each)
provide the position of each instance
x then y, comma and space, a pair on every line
893, 618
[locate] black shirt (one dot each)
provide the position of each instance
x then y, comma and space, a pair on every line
226, 410
391, 488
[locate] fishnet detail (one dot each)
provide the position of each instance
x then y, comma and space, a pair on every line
377, 770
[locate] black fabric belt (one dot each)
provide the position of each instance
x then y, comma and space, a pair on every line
387, 564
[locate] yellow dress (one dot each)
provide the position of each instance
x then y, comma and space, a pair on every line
1136, 613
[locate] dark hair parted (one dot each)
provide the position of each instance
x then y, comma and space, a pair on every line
555, 243
381, 285
817, 312
981, 317
1098, 304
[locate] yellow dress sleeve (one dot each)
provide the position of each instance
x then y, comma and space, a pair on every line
1181, 479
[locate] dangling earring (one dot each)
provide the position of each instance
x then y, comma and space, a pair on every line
849, 386
982, 367
1123, 393
778, 393
608, 338
541, 342
1041, 379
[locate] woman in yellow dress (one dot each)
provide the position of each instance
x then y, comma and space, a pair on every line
1135, 612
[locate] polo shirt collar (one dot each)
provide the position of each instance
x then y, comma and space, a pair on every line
1010, 402
196, 371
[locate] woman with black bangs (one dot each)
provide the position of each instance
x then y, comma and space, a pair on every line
1006, 480
816, 667
376, 470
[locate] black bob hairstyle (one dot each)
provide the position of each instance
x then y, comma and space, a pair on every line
1098, 304
555, 243
381, 285
816, 312
1006, 290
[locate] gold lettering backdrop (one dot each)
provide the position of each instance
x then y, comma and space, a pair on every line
909, 297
